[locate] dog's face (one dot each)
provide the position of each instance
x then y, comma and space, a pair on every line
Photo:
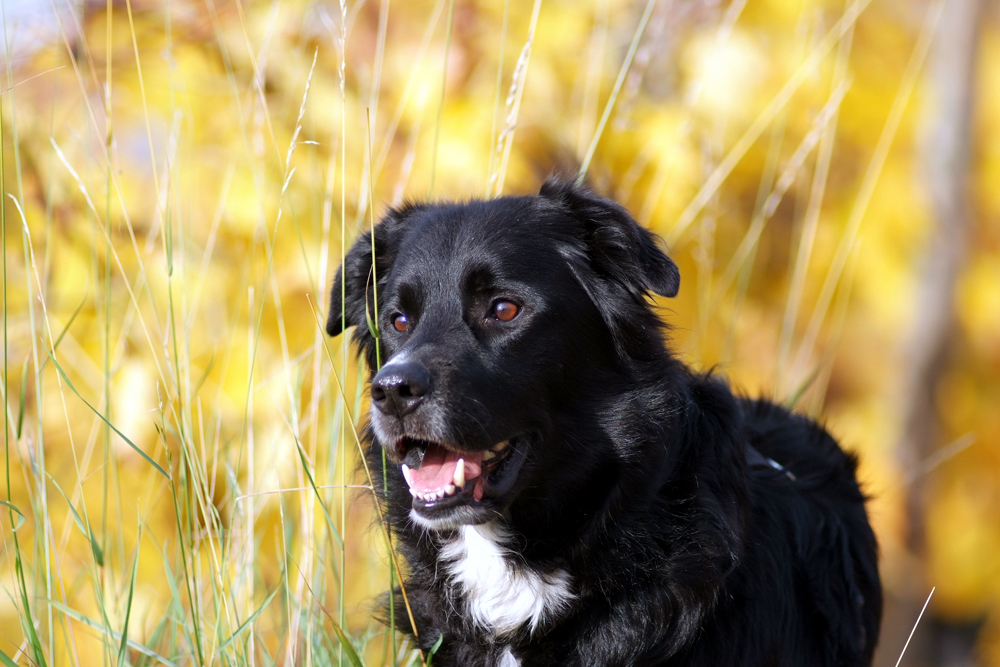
492, 318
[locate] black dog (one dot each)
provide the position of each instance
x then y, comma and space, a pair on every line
566, 492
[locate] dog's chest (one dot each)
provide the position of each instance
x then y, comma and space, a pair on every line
502, 595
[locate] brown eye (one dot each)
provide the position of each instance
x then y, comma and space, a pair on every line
505, 311
400, 323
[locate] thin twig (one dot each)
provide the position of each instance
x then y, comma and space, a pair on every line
915, 626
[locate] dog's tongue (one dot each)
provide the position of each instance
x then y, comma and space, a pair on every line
438, 468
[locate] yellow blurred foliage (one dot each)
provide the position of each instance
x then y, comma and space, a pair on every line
188, 179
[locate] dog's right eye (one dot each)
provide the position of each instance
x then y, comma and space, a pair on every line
505, 310
400, 323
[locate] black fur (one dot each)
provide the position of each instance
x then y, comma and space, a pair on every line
652, 486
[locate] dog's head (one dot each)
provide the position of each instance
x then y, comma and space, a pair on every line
492, 322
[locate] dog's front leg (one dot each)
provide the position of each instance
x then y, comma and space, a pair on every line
443, 636
641, 627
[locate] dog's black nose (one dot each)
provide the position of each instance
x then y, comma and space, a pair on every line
399, 388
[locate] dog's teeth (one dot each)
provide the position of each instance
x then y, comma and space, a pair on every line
414, 493
459, 479
449, 490
407, 475
487, 455
500, 446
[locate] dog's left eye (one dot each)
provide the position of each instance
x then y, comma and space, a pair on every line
505, 311
400, 323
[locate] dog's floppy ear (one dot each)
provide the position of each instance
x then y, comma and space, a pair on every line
352, 297
618, 246
619, 265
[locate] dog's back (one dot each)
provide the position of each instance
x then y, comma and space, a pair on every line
809, 543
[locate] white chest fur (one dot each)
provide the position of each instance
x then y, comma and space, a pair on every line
501, 594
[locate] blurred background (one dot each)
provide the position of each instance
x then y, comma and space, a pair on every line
180, 178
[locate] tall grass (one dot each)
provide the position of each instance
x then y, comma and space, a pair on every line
183, 187
234, 579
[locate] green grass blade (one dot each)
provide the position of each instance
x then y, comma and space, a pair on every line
62, 334
434, 649
204, 376
345, 642
636, 38
96, 548
23, 393
158, 632
26, 620
12, 508
175, 596
112, 426
6, 660
122, 652
78, 520
800, 391
319, 497
95, 625
247, 623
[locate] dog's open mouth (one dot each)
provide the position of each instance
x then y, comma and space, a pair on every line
440, 477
